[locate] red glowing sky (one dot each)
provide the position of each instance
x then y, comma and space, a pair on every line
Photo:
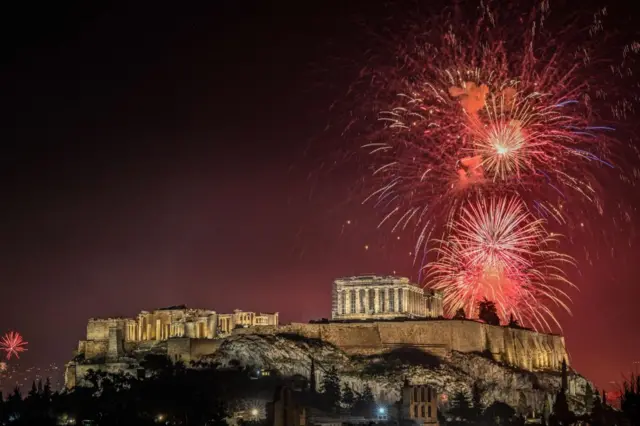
154, 162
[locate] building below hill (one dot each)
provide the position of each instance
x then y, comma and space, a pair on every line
378, 297
419, 404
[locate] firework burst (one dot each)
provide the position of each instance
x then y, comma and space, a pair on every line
12, 344
490, 123
497, 250
487, 108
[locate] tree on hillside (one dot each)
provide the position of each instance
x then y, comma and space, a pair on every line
14, 405
157, 364
598, 412
561, 413
460, 314
365, 403
488, 313
348, 397
461, 409
546, 409
523, 406
588, 398
513, 322
476, 399
630, 399
331, 388
499, 413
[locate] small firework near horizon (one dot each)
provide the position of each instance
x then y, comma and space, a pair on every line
12, 344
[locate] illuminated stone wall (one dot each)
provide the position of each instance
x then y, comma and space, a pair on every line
161, 325
518, 347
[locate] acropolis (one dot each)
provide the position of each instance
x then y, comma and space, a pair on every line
369, 315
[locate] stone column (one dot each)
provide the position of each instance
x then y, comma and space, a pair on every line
140, 326
385, 306
190, 330
376, 300
366, 300
396, 302
423, 306
338, 302
212, 324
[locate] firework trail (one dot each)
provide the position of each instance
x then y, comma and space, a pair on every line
497, 250
12, 343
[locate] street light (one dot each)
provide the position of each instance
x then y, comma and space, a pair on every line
254, 412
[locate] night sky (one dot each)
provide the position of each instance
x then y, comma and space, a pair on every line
162, 155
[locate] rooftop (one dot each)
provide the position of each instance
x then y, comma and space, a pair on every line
372, 277
173, 308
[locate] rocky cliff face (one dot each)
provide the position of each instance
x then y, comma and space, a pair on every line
291, 354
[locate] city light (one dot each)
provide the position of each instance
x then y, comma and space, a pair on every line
254, 412
381, 410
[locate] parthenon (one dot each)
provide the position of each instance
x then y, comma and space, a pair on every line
379, 297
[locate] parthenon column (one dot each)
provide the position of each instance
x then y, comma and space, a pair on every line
376, 300
365, 291
396, 301
387, 293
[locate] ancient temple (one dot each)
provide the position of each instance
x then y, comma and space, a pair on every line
380, 297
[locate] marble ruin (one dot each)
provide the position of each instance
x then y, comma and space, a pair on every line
370, 315
376, 297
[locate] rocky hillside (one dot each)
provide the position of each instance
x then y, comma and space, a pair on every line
290, 354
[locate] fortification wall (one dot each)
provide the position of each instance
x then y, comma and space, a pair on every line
95, 348
80, 370
523, 348
98, 329
187, 349
202, 347
518, 347
179, 349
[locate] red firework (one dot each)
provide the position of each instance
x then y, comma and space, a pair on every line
12, 343
493, 107
498, 251
488, 127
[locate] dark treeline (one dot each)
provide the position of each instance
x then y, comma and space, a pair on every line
169, 394
205, 395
